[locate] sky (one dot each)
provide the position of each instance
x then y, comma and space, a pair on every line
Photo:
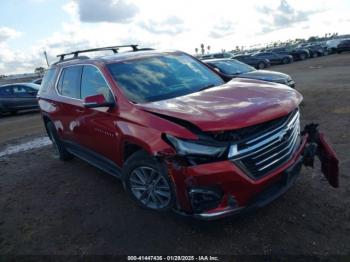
30, 27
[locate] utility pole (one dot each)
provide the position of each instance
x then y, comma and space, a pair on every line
47, 61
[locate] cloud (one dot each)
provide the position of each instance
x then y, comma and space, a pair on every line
12, 61
7, 33
172, 25
222, 29
282, 17
117, 11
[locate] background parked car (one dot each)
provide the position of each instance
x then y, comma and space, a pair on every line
19, 96
317, 50
297, 53
217, 55
343, 46
274, 58
258, 63
333, 44
232, 68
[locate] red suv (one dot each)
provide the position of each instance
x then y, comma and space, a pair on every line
176, 134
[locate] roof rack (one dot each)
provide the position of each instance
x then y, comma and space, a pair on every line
112, 48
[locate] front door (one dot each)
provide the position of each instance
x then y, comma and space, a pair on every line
97, 130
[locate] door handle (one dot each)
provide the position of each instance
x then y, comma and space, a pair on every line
78, 110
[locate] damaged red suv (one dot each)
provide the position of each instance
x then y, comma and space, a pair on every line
178, 135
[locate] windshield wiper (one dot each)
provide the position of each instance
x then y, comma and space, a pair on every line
206, 87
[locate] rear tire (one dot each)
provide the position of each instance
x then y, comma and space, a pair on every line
261, 65
147, 181
59, 151
285, 60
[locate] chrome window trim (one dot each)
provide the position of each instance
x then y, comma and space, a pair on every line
79, 99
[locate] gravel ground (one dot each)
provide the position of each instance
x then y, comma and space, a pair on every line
52, 207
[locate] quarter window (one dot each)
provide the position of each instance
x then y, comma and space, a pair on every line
93, 83
48, 80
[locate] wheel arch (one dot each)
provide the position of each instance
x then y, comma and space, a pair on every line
46, 120
130, 146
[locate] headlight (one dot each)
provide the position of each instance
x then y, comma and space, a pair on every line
190, 147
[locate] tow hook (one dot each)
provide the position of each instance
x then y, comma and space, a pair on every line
318, 146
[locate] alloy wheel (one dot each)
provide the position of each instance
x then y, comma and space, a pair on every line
150, 188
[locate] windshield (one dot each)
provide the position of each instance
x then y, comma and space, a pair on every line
162, 77
231, 67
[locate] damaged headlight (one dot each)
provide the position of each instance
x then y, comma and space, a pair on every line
196, 148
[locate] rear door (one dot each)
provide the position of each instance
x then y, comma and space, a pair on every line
69, 104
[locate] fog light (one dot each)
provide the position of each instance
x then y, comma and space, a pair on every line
203, 199
232, 202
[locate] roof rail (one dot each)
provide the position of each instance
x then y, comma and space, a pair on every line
112, 48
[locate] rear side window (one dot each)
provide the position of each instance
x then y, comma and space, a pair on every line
93, 83
48, 80
5, 91
69, 83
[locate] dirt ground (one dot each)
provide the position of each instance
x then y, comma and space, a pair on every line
52, 207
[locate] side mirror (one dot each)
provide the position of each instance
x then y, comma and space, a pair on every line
97, 101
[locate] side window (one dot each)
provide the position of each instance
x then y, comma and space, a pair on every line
6, 91
69, 83
93, 83
21, 91
218, 55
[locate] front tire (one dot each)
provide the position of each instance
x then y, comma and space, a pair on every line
59, 150
147, 181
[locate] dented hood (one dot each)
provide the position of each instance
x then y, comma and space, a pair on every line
236, 104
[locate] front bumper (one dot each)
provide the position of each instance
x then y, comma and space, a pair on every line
240, 193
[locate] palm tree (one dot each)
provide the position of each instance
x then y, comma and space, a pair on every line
202, 49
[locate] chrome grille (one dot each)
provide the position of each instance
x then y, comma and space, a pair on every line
260, 155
